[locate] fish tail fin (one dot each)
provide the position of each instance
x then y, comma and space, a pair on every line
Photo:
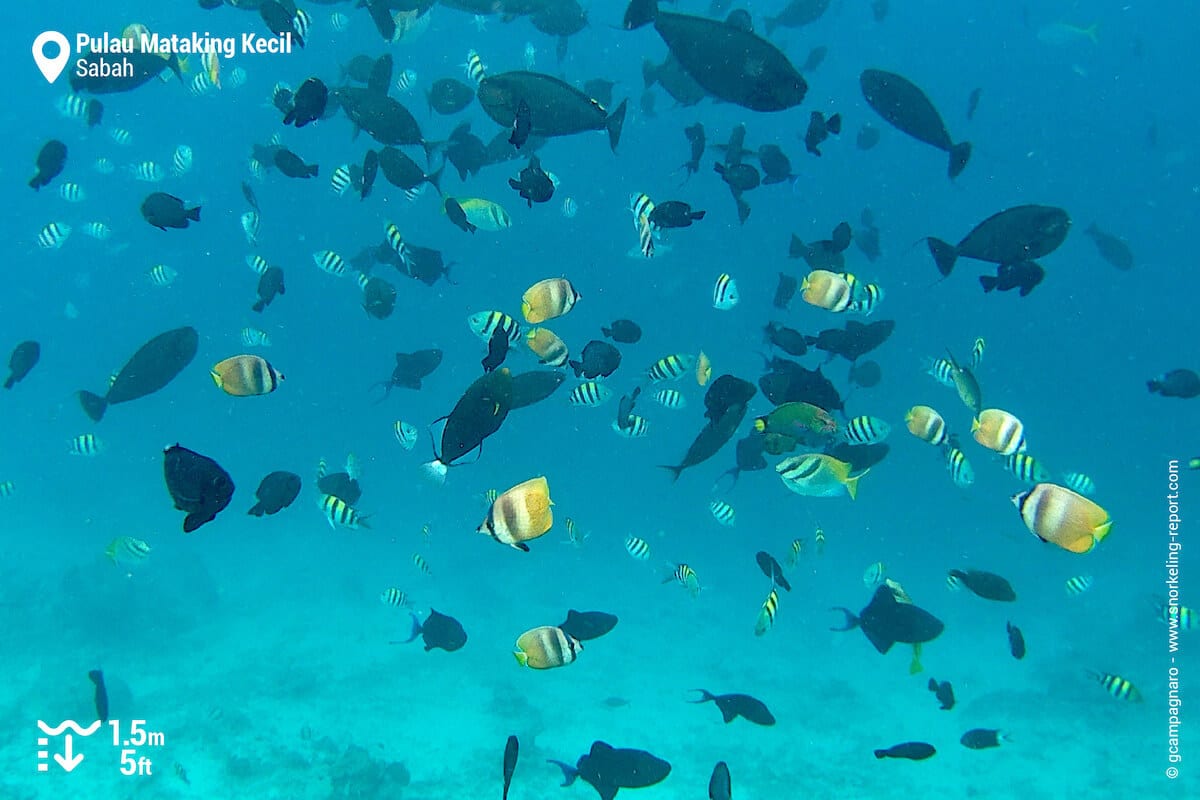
194, 213
1092, 31
614, 124
987, 282
834, 124
436, 178
675, 471
852, 486
259, 306
743, 209
797, 248
312, 172
257, 510
959, 155
436, 471
640, 13
851, 622
705, 696
8, 384
944, 254
93, 405
649, 73
881, 753
605, 332
569, 772
416, 629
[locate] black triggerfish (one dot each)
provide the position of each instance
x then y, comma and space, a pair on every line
478, 414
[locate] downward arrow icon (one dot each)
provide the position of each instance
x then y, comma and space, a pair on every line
68, 761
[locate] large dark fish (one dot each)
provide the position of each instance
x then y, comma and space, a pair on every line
789, 382
404, 173
588, 625
410, 369
478, 414
497, 350
341, 486
386, 120
731, 63
823, 253
276, 492
449, 96
913, 751
860, 457
100, 696
556, 108
270, 284
50, 162
724, 393
903, 104
608, 769
197, 484
308, 104
534, 387
886, 621
738, 705
438, 630
153, 366
379, 297
23, 359
598, 360
511, 748
1012, 236
144, 66
711, 439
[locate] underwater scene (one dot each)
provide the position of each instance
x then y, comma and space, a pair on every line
533, 399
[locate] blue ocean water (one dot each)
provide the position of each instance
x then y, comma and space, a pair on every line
259, 646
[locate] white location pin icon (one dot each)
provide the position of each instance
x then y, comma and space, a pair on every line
51, 67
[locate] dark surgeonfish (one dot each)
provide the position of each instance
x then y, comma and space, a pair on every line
23, 359
854, 341
497, 350
587, 625
913, 751
197, 484
379, 296
824, 253
276, 492
903, 104
270, 284
789, 382
785, 291
50, 162
308, 104
477, 415
886, 621
731, 63
797, 14
770, 567
534, 387
726, 402
1112, 249
738, 705
410, 370
88, 73
556, 108
987, 585
402, 172
944, 693
719, 784
164, 211
866, 374
449, 96
1016, 641
1012, 236
749, 457
776, 166
533, 183
674, 214
608, 769
153, 366
438, 630
100, 695
511, 748
341, 486
696, 142
598, 360
1182, 383
1023, 276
